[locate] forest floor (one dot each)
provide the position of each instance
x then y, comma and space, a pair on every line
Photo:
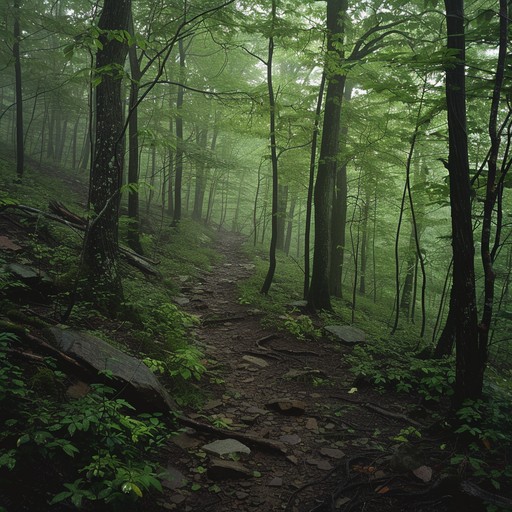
336, 449
319, 439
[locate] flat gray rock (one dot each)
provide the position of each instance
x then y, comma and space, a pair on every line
225, 447
346, 333
129, 373
227, 470
175, 479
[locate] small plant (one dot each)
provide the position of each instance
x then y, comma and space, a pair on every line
405, 435
301, 327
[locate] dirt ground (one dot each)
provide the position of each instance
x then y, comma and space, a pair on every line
335, 450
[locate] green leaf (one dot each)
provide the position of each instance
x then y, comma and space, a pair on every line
25, 438
60, 497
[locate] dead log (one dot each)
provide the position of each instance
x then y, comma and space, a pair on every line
63, 216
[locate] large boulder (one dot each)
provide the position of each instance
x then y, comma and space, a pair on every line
346, 334
129, 374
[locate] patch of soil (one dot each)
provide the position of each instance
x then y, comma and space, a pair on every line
338, 447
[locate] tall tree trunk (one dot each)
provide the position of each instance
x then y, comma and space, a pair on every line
494, 189
339, 214
291, 213
319, 293
179, 138
364, 243
469, 366
197, 212
20, 134
282, 195
101, 241
273, 158
133, 232
309, 201
74, 144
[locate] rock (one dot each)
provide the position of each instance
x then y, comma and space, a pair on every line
181, 301
185, 441
290, 439
128, 373
346, 334
324, 465
38, 281
177, 499
212, 404
293, 459
299, 304
276, 482
312, 424
249, 420
225, 447
256, 410
287, 406
332, 452
256, 360
227, 470
241, 495
175, 479
6, 244
424, 473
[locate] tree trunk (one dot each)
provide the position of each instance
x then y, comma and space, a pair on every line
319, 294
282, 195
273, 158
469, 365
104, 285
339, 215
364, 244
133, 232
309, 201
20, 150
197, 212
179, 138
291, 213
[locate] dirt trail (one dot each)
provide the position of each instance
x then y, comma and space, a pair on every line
320, 438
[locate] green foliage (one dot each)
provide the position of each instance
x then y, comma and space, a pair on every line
398, 366
301, 327
111, 448
185, 363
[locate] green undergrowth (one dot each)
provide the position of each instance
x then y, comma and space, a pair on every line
103, 452
93, 449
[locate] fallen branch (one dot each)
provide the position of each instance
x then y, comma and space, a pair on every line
268, 444
299, 352
75, 222
379, 410
489, 497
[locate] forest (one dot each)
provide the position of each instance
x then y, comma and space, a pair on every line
255, 255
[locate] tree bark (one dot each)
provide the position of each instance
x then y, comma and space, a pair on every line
273, 157
101, 241
20, 149
339, 214
309, 201
319, 292
133, 232
469, 367
179, 138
